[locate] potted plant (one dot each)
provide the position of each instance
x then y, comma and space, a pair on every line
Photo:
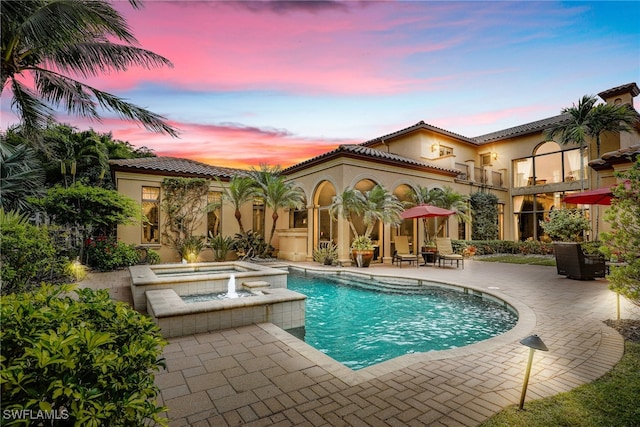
326, 255
362, 250
377, 204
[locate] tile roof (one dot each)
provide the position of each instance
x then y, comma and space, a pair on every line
420, 125
622, 155
629, 87
174, 166
367, 153
537, 126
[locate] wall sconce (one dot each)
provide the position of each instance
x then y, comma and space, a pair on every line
534, 343
494, 156
435, 148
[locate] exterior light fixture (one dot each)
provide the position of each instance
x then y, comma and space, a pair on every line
494, 156
534, 343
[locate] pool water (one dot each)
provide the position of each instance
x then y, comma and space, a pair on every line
361, 327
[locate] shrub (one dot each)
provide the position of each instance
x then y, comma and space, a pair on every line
485, 216
248, 244
489, 247
220, 245
87, 357
153, 257
107, 254
326, 254
27, 256
566, 225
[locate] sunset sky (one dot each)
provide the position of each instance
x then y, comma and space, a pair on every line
277, 83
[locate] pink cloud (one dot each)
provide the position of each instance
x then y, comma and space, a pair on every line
230, 145
222, 46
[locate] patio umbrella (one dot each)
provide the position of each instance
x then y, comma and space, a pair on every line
425, 211
598, 196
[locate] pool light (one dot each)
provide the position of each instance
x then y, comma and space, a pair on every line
534, 343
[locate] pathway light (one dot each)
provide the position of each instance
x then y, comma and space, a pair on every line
534, 343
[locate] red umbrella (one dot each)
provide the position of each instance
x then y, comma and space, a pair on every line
425, 211
598, 196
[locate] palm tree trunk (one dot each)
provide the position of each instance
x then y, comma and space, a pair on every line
273, 231
238, 216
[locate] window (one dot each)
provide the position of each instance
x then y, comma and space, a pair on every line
445, 151
548, 165
258, 216
485, 159
151, 212
298, 217
214, 214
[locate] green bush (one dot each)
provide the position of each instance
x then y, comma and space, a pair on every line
27, 257
153, 257
84, 356
490, 247
485, 216
566, 225
109, 254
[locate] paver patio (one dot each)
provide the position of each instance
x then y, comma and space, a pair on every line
261, 376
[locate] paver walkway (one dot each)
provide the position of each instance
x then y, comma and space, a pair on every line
261, 376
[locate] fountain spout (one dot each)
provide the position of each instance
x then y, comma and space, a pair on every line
231, 287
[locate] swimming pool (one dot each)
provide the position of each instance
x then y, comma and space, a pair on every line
360, 326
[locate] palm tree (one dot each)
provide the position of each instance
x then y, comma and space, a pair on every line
44, 40
21, 176
278, 194
381, 205
423, 196
447, 198
241, 189
76, 153
350, 204
377, 204
588, 120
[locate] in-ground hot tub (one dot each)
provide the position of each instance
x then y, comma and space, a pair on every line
199, 278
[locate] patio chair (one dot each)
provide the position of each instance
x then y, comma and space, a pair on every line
445, 252
402, 252
573, 263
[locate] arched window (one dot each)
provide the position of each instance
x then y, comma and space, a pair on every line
549, 164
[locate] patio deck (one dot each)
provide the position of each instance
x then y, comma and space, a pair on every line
261, 376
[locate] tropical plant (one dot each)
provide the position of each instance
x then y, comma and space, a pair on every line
277, 194
81, 354
96, 208
107, 254
241, 189
220, 245
21, 176
485, 216
446, 198
46, 40
183, 207
590, 120
74, 155
565, 225
624, 237
249, 244
326, 254
27, 254
377, 204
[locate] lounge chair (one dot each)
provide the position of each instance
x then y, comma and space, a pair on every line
445, 252
573, 263
402, 252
